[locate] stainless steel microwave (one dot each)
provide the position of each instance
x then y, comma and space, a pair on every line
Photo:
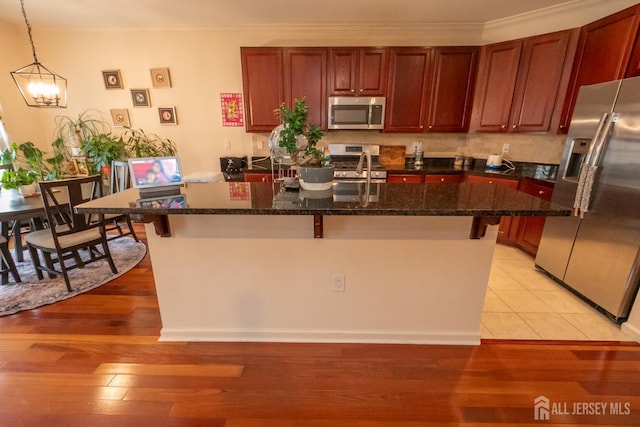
356, 112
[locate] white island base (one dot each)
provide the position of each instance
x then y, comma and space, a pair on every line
265, 278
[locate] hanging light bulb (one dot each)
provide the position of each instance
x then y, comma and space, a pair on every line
39, 86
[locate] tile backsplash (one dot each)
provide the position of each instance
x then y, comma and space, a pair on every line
522, 147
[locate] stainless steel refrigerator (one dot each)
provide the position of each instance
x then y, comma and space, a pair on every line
596, 252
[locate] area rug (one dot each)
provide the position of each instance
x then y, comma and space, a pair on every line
32, 293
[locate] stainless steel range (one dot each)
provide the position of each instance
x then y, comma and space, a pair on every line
350, 180
345, 159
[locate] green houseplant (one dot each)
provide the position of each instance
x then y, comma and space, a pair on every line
71, 132
19, 178
139, 144
101, 150
300, 139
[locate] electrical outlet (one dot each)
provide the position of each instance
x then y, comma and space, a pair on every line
259, 145
338, 283
227, 144
505, 148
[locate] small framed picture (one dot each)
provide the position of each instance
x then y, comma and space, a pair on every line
120, 117
140, 97
160, 77
81, 166
168, 116
112, 79
70, 167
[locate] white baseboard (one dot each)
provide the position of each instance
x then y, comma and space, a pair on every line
631, 331
361, 337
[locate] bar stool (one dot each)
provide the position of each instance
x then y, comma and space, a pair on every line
7, 265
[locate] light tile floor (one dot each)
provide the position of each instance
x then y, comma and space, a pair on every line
523, 303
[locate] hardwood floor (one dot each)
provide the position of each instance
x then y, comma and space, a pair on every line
94, 360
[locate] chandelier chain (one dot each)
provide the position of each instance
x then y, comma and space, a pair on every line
26, 21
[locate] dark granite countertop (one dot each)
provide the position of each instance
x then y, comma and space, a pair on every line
436, 166
243, 198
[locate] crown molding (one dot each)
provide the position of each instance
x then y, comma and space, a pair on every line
572, 14
317, 34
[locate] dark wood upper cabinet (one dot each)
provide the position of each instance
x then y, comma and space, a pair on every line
305, 75
521, 83
543, 76
408, 90
262, 95
374, 65
633, 70
453, 82
602, 55
358, 71
495, 87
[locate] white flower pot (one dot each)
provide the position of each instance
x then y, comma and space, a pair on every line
27, 190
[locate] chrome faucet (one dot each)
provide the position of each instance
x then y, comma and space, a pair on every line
364, 201
359, 166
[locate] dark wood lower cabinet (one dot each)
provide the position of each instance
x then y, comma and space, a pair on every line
426, 178
525, 232
404, 178
505, 223
258, 177
443, 179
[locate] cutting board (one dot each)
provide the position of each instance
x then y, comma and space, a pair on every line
392, 155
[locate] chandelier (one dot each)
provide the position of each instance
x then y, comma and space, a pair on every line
39, 86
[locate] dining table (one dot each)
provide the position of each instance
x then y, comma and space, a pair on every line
16, 209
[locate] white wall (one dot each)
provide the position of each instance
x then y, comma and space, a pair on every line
269, 280
206, 62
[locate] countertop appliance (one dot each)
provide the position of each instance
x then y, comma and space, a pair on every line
356, 112
596, 252
231, 167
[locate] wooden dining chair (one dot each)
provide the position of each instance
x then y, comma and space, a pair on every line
69, 233
6, 264
119, 181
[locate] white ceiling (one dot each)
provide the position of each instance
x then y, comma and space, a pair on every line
211, 13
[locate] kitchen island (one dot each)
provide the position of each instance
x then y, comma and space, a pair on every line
253, 261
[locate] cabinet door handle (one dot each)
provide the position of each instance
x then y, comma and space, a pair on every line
352, 90
404, 179
490, 182
541, 192
515, 126
441, 179
503, 127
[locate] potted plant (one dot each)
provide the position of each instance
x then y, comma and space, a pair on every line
20, 179
139, 144
44, 168
300, 140
101, 150
71, 132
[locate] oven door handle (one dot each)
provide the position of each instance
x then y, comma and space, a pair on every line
360, 180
